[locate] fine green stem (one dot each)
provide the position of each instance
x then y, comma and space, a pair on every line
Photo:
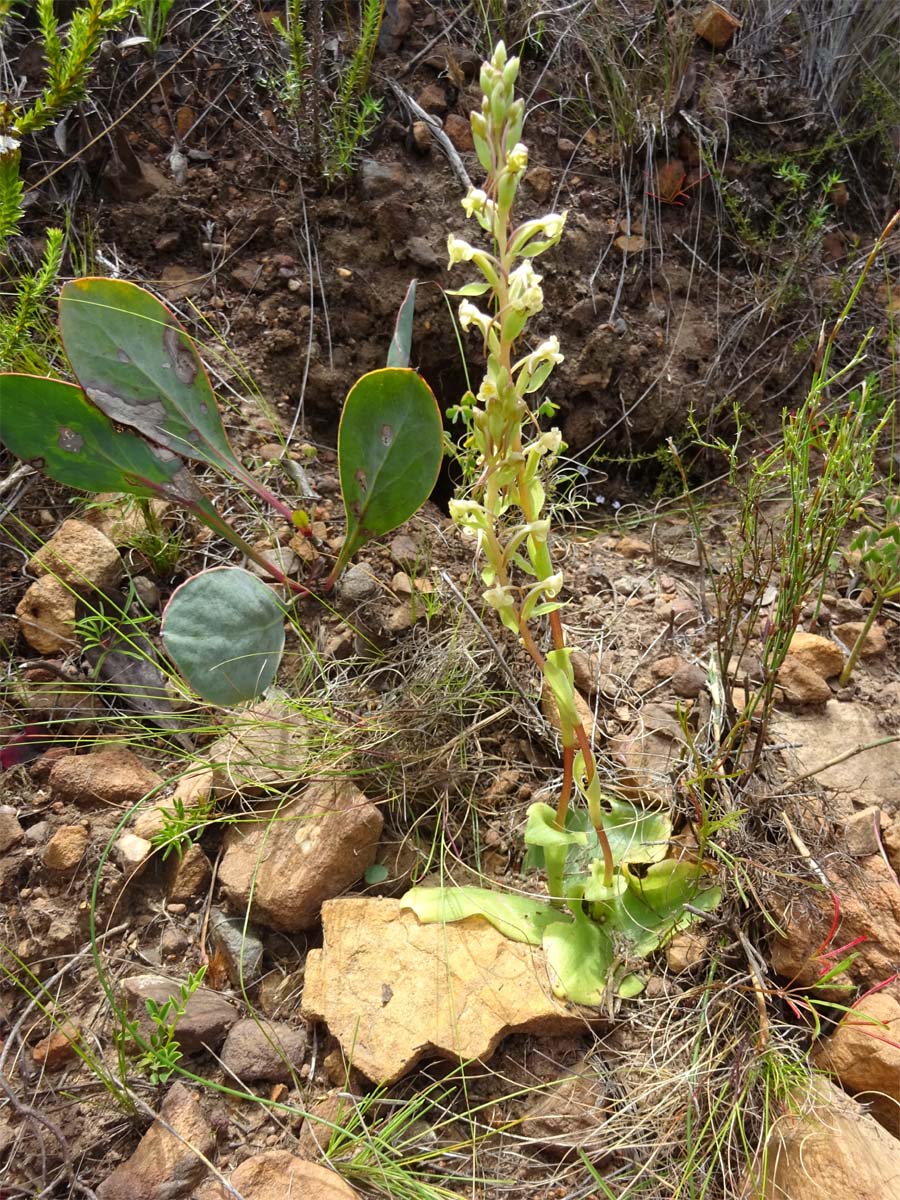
851, 662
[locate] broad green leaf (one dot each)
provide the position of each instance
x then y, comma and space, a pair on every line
140, 367
390, 444
596, 891
517, 917
401, 342
636, 835
651, 909
53, 422
581, 958
469, 289
630, 986
224, 630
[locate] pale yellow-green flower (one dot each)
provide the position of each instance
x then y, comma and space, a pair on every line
517, 159
525, 295
459, 250
475, 201
470, 315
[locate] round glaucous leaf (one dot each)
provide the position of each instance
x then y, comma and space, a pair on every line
224, 630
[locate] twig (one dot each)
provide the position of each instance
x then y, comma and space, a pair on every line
804, 850
22, 471
434, 128
833, 762
757, 967
876, 825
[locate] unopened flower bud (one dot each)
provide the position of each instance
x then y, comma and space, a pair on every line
517, 159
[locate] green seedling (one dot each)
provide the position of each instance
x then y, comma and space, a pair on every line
137, 367
152, 16
614, 894
162, 1055
182, 825
879, 548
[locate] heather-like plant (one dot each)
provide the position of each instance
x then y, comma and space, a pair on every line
878, 546
69, 51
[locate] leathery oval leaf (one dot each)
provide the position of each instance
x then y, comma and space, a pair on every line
139, 366
390, 445
54, 423
224, 630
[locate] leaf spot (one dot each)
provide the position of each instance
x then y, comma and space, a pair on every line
70, 440
362, 480
141, 414
387, 435
183, 361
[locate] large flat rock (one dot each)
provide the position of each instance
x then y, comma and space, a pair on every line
394, 991
820, 736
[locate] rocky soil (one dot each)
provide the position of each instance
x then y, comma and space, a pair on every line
144, 838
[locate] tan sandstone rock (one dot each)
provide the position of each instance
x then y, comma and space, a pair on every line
801, 684
864, 1054
299, 854
875, 643
79, 554
167, 1164
188, 876
818, 737
818, 653
870, 910
131, 853
66, 848
266, 747
394, 991
279, 1175
114, 777
836, 1151
648, 748
47, 616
